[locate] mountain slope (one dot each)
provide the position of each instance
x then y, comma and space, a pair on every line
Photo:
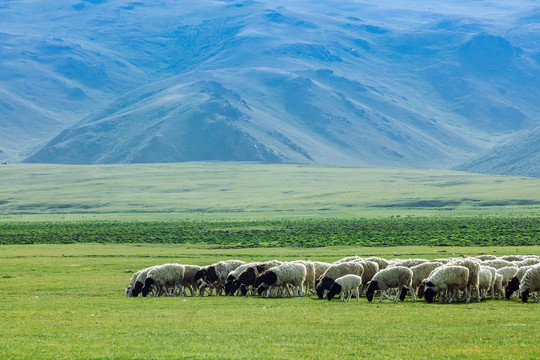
519, 156
391, 83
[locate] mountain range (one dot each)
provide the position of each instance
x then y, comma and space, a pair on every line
444, 84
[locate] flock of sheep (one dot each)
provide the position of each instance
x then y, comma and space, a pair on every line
449, 279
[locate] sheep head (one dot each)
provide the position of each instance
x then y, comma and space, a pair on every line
373, 286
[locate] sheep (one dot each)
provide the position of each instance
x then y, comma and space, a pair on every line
530, 283
346, 284
230, 289
513, 283
348, 259
512, 258
484, 281
139, 283
399, 277
216, 274
486, 257
408, 262
335, 271
131, 285
497, 264
507, 273
320, 268
527, 262
189, 279
493, 278
309, 281
446, 278
498, 285
282, 275
383, 263
421, 272
370, 269
164, 276
474, 268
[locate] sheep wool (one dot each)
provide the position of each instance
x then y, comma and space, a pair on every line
421, 272
292, 274
530, 283
399, 277
484, 281
515, 281
446, 278
164, 276
336, 271
347, 284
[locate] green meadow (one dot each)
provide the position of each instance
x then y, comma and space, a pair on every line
72, 236
67, 301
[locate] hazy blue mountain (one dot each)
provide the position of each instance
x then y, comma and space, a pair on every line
519, 156
333, 82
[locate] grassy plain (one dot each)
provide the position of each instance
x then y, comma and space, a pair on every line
217, 191
67, 301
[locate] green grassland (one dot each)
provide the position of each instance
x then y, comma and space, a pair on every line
67, 301
71, 237
218, 191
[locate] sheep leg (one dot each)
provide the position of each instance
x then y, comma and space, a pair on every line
397, 297
269, 291
413, 292
349, 295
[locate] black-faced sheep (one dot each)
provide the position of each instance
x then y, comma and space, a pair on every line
336, 271
451, 278
215, 275
514, 282
292, 274
399, 277
139, 282
530, 283
347, 284
163, 277
421, 272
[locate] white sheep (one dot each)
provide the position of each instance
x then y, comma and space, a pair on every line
347, 284
497, 264
507, 273
336, 271
216, 275
348, 259
292, 274
448, 278
484, 281
530, 283
498, 285
421, 272
474, 269
309, 281
383, 263
486, 257
407, 262
131, 285
163, 277
399, 277
189, 279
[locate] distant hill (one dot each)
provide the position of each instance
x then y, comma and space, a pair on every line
386, 84
519, 156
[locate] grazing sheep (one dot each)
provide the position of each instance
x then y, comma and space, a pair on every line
498, 285
370, 269
399, 277
408, 262
493, 279
230, 289
292, 274
514, 282
346, 284
348, 259
486, 257
512, 258
131, 285
421, 272
484, 281
320, 268
497, 264
189, 279
164, 276
336, 271
528, 262
139, 283
507, 273
383, 263
530, 283
216, 274
309, 281
451, 278
474, 269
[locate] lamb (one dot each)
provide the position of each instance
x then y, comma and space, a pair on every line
282, 275
216, 274
346, 284
336, 271
514, 282
421, 272
399, 277
446, 278
530, 283
164, 276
